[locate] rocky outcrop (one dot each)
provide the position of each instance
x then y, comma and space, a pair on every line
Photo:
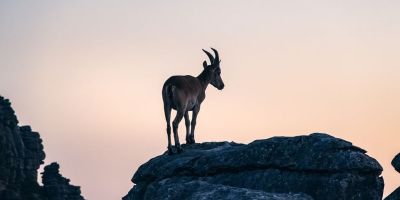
57, 187
395, 195
317, 166
21, 154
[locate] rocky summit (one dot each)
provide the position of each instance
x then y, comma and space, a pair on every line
21, 154
316, 166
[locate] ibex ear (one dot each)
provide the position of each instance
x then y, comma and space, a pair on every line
205, 64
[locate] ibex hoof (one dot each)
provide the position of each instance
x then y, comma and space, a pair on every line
190, 140
179, 149
170, 152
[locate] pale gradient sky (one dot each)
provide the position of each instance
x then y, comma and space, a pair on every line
88, 75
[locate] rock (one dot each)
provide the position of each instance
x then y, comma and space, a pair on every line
318, 165
57, 187
186, 188
396, 162
21, 154
395, 195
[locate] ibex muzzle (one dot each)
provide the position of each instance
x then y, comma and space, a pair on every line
186, 93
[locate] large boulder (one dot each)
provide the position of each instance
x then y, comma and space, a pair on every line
318, 165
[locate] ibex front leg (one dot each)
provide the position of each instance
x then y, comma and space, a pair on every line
187, 124
193, 124
175, 124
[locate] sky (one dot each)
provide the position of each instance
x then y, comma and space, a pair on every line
88, 75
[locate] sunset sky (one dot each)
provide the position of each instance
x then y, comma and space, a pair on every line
88, 75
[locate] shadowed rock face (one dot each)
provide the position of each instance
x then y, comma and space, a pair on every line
395, 195
21, 154
57, 187
318, 165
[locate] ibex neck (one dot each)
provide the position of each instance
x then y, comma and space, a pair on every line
204, 78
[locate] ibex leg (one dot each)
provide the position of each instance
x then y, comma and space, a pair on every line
187, 124
167, 112
193, 124
175, 124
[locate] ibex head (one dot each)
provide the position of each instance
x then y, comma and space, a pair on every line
214, 69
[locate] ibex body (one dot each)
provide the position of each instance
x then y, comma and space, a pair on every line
186, 93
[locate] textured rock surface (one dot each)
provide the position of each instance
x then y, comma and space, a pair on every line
186, 188
319, 165
57, 187
21, 154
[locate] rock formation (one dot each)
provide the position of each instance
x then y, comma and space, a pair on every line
395, 195
317, 166
21, 154
57, 187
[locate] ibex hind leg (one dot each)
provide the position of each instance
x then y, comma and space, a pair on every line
167, 112
175, 124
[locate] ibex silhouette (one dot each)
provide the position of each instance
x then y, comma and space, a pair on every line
186, 93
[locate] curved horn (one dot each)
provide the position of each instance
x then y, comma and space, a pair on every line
209, 56
216, 54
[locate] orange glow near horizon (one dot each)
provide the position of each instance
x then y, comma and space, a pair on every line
88, 77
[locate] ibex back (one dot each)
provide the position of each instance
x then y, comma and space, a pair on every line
186, 93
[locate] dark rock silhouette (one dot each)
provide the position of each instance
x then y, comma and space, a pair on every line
318, 165
396, 162
395, 195
21, 154
57, 187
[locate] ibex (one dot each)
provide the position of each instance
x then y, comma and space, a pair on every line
186, 93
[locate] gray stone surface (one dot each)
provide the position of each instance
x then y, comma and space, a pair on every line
319, 165
181, 188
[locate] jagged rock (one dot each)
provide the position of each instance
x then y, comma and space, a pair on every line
396, 162
319, 165
57, 187
21, 154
